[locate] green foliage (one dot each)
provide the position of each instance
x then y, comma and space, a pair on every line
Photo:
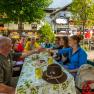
23, 10
47, 33
83, 12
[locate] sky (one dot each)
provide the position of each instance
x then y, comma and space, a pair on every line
59, 3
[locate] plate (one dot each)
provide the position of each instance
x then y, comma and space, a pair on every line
39, 63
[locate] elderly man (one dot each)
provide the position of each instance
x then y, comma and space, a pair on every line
5, 66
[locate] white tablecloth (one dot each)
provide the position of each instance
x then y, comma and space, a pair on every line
28, 84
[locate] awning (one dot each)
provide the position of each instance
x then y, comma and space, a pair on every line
3, 28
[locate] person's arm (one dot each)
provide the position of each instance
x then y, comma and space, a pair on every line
64, 50
6, 89
25, 54
73, 71
82, 60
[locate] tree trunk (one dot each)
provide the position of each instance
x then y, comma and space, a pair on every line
20, 27
83, 28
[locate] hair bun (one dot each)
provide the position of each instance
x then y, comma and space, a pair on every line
80, 37
77, 38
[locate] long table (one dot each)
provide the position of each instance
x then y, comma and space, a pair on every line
28, 84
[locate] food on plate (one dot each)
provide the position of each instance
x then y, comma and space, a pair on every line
39, 63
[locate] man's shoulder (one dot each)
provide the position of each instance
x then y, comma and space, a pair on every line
67, 49
2, 60
36, 45
2, 57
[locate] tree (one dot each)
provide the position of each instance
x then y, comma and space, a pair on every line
83, 12
20, 11
46, 32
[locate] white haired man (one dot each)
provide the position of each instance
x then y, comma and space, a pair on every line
5, 66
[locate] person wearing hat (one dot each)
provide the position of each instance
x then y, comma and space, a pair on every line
54, 74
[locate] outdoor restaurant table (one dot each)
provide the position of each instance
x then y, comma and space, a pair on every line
28, 84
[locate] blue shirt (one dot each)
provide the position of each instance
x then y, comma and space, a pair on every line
76, 59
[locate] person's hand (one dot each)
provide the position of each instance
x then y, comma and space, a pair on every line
4, 89
64, 58
41, 50
48, 50
12, 91
72, 71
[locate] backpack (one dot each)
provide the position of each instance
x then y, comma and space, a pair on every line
85, 79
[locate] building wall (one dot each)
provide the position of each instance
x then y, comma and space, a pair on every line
27, 26
11, 26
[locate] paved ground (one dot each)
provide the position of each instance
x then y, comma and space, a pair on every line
91, 55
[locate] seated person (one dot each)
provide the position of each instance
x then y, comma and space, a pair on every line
5, 66
47, 44
77, 56
63, 45
56, 43
31, 44
28, 45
